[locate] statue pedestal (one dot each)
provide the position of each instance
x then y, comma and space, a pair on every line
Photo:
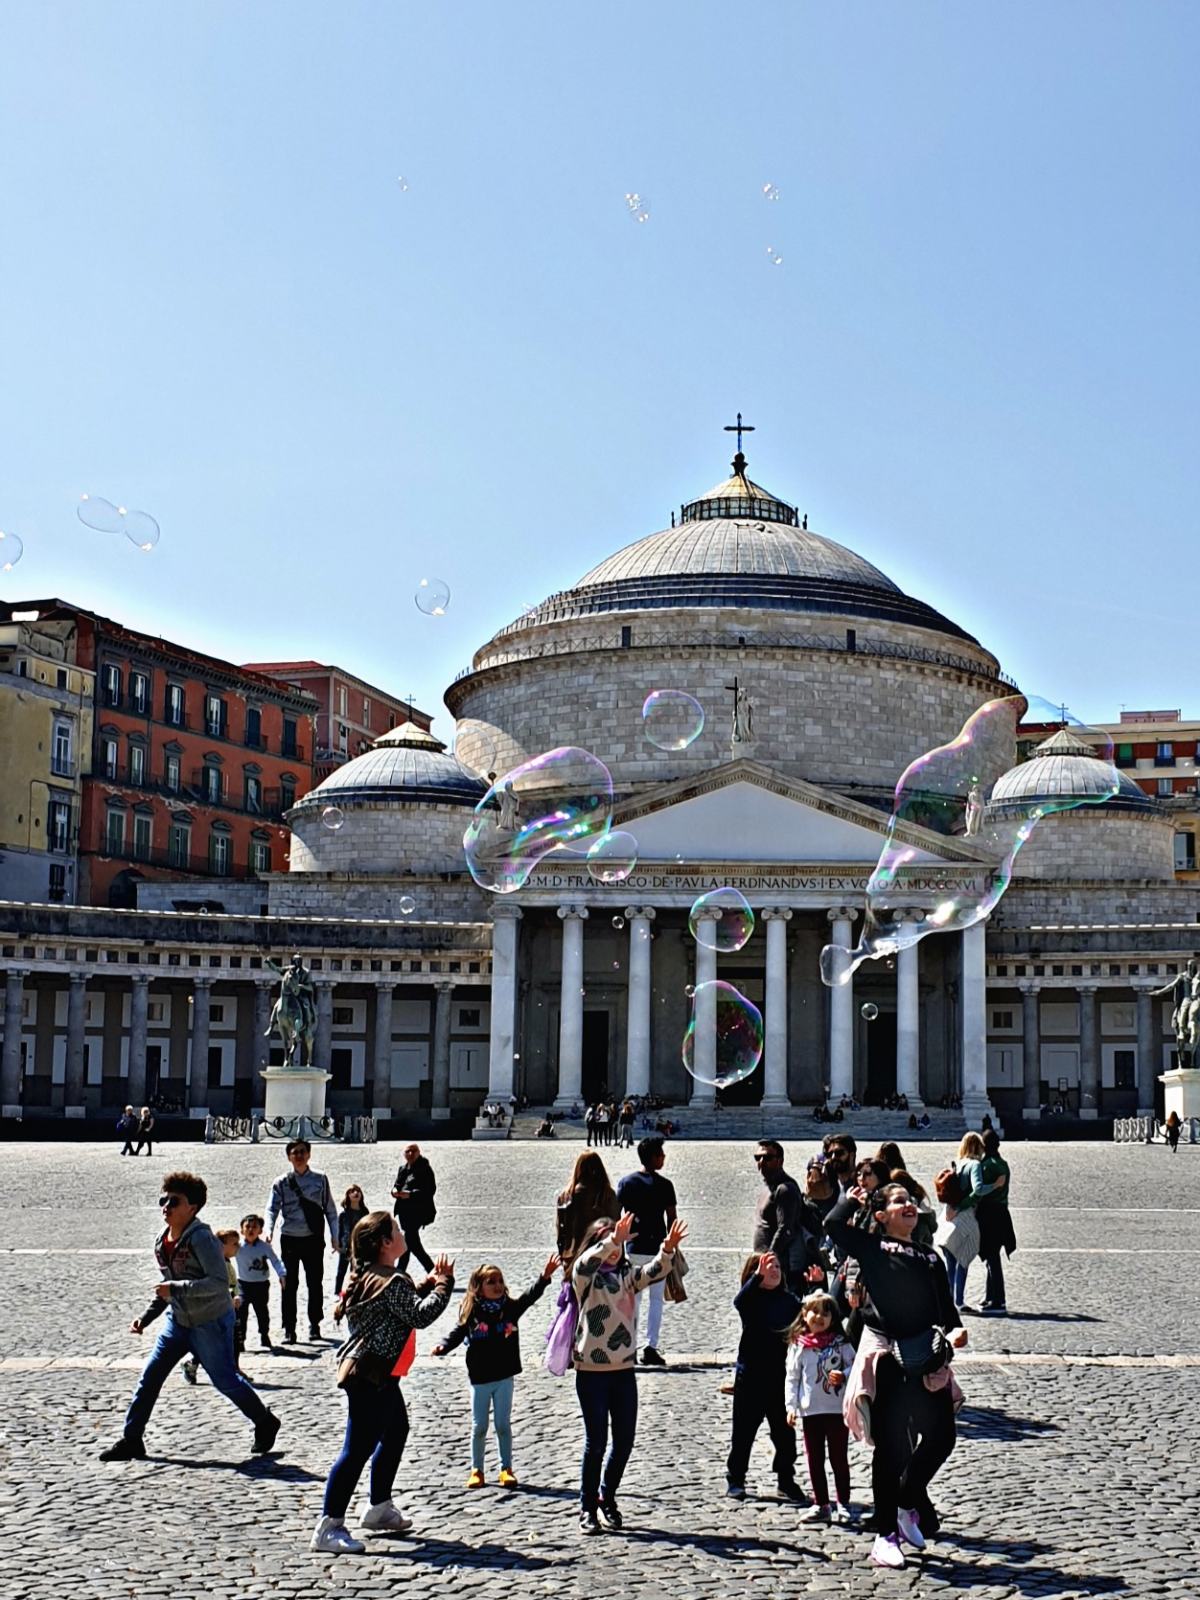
1181, 1092
294, 1092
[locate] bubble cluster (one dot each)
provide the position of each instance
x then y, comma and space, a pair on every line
332, 817
737, 1026
671, 719
562, 797
432, 597
774, 256
637, 208
139, 527
612, 858
406, 905
945, 792
770, 191
11, 551
402, 185
721, 920
869, 1011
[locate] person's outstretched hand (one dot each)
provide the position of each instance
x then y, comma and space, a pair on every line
676, 1234
958, 1338
443, 1267
622, 1228
551, 1267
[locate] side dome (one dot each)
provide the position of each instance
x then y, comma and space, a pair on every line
406, 764
1065, 767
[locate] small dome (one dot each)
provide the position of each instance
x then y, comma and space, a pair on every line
1065, 767
406, 764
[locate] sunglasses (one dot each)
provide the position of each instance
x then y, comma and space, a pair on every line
168, 1202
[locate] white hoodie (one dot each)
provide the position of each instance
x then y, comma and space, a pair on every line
807, 1386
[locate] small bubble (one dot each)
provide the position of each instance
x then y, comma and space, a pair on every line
690, 990
618, 923
869, 1011
432, 597
770, 191
11, 550
638, 208
402, 185
332, 817
616, 966
407, 905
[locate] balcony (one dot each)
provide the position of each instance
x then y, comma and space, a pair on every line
189, 863
271, 809
62, 767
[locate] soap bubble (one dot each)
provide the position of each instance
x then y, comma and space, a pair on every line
738, 1029
11, 551
869, 1011
775, 258
564, 796
690, 990
770, 191
140, 529
332, 817
407, 905
432, 597
618, 923
95, 512
402, 185
946, 792
612, 858
721, 920
671, 719
637, 208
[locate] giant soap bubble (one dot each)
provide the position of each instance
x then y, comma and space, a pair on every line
738, 1026
559, 799
943, 792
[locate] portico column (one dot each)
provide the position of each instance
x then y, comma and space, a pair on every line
704, 1009
1149, 1049
323, 1037
841, 1009
775, 1054
973, 1000
381, 1066
637, 1049
73, 1091
1089, 1055
263, 1001
10, 1061
506, 922
570, 1007
136, 1089
908, 1018
440, 1110
1031, 1052
198, 1080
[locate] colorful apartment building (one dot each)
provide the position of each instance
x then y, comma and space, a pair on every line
351, 713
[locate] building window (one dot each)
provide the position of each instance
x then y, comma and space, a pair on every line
58, 826
180, 846
58, 884
111, 680
254, 794
1185, 852
289, 737
1002, 1019
114, 833
1164, 755
62, 761
260, 856
62, 678
174, 705
216, 716
287, 793
171, 774
210, 784
342, 702
137, 764
254, 727
1125, 1069
139, 693
219, 854
108, 757
143, 832
366, 712
1166, 786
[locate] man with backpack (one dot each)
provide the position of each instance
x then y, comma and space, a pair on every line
302, 1198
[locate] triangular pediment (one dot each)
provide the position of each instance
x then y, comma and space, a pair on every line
745, 812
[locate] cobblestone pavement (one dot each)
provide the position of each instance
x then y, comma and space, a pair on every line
1073, 1474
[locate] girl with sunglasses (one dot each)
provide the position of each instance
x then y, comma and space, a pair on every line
488, 1325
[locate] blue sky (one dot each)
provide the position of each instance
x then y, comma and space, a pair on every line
976, 364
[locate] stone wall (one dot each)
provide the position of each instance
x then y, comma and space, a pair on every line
1092, 844
376, 836
334, 894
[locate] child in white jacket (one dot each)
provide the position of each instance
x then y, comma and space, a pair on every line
818, 1363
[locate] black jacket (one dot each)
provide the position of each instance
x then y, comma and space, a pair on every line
493, 1343
419, 1208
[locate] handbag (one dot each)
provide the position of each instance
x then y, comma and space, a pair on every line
359, 1365
960, 1236
673, 1289
314, 1215
560, 1337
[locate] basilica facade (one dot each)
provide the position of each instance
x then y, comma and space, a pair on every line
820, 680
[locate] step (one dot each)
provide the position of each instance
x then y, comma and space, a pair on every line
869, 1125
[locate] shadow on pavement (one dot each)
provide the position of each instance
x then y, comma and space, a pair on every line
1031, 1579
989, 1422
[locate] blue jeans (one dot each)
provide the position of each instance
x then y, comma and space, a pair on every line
957, 1275
605, 1395
211, 1344
498, 1398
376, 1430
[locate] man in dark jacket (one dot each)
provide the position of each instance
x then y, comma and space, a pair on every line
783, 1221
413, 1191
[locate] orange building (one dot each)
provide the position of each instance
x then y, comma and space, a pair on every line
194, 761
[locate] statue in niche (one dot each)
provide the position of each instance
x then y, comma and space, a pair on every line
509, 820
974, 810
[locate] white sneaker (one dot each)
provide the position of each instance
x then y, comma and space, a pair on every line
844, 1515
909, 1524
332, 1539
386, 1517
886, 1551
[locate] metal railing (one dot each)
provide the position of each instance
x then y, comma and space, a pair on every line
1147, 1130
271, 806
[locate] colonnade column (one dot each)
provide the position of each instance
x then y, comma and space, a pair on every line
10, 1060
908, 1020
570, 1007
841, 1008
197, 1098
1031, 1051
775, 1054
1089, 1055
73, 1092
1149, 1048
506, 922
704, 1009
440, 1107
637, 1050
973, 998
139, 994
381, 1066
263, 1001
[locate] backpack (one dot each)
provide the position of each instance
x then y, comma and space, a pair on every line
948, 1186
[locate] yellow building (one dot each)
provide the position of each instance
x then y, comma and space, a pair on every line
46, 704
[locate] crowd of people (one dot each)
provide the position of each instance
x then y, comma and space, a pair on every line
851, 1303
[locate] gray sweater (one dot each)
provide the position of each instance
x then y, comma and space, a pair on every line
198, 1274
285, 1202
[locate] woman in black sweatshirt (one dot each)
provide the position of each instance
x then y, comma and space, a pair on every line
910, 1309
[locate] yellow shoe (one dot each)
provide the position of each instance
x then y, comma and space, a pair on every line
508, 1478
476, 1480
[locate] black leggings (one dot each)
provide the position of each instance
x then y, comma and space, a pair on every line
757, 1400
904, 1410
